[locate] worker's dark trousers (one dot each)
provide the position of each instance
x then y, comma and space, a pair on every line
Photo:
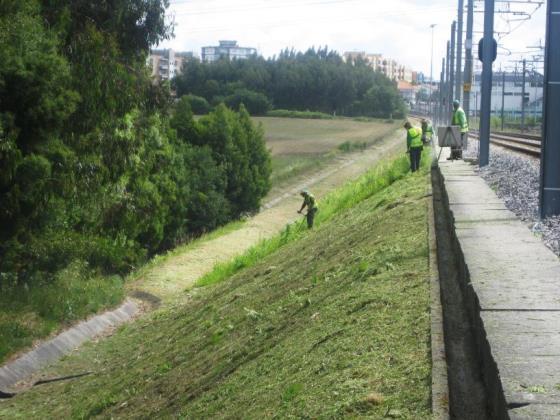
311, 217
415, 156
457, 152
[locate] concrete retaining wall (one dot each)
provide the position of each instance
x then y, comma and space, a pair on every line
497, 403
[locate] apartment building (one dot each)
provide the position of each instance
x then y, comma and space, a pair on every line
389, 67
227, 49
166, 64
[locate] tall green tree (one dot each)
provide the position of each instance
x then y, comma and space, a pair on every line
96, 164
315, 80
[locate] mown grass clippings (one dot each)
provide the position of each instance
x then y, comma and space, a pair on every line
312, 330
190, 245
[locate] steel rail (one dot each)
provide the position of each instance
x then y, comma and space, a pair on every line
525, 145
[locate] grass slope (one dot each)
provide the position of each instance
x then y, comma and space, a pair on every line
30, 315
333, 324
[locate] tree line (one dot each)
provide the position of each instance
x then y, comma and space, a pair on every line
314, 80
97, 163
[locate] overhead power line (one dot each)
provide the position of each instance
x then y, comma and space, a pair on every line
292, 22
260, 7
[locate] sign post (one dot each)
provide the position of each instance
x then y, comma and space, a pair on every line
550, 153
488, 53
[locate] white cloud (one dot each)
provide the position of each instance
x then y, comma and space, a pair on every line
396, 28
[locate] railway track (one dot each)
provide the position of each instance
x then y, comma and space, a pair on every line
519, 135
526, 144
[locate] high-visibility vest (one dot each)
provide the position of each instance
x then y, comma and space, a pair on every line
310, 202
415, 137
428, 132
460, 119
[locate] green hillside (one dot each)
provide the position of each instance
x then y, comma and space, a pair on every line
333, 324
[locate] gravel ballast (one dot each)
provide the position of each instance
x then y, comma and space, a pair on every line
516, 179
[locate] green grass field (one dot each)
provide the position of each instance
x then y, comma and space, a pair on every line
334, 323
301, 145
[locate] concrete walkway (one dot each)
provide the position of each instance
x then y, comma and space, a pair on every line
512, 287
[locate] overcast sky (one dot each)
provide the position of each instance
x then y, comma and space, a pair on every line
395, 28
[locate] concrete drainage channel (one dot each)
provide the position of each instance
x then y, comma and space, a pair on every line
469, 381
52, 350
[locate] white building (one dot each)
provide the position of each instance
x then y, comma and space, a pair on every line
166, 64
227, 49
512, 94
389, 67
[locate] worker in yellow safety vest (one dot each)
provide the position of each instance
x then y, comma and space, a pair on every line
310, 202
427, 131
414, 145
459, 119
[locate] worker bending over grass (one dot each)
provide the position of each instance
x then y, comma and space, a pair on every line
414, 145
312, 208
427, 131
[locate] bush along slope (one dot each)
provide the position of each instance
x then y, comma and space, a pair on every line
98, 170
333, 324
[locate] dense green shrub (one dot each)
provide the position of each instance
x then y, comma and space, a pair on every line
381, 102
256, 103
198, 104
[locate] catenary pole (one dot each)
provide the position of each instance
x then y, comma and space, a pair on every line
550, 154
441, 91
452, 64
486, 85
431, 112
446, 104
458, 67
468, 57
503, 97
523, 95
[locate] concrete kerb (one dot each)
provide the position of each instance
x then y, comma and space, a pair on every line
440, 384
52, 350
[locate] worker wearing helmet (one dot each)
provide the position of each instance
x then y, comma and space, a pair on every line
427, 131
312, 208
414, 145
459, 119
